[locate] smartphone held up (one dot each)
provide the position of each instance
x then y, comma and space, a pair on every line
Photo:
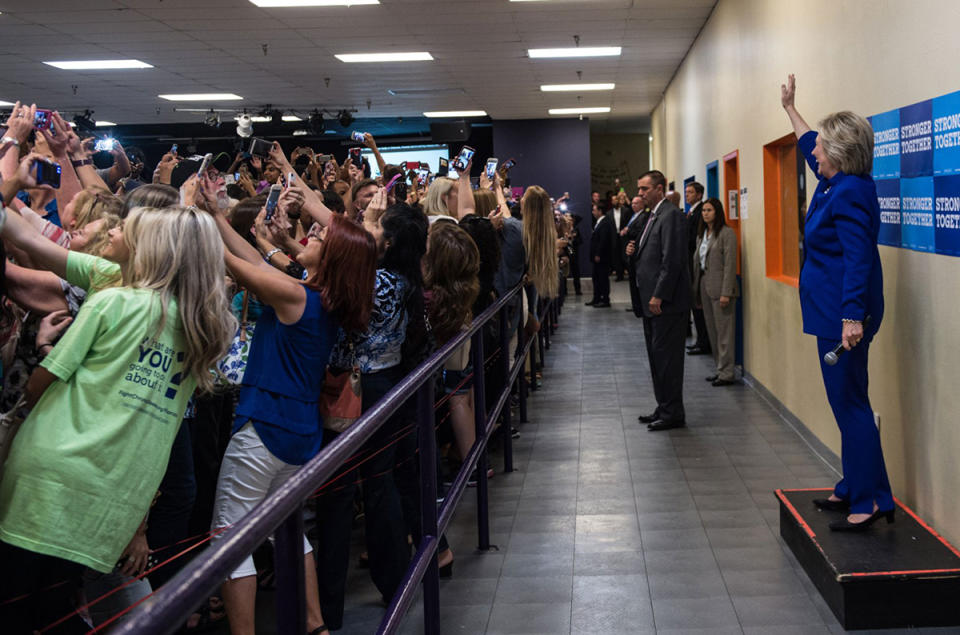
272, 199
47, 173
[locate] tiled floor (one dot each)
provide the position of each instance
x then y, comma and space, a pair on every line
607, 528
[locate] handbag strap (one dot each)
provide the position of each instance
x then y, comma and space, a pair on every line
243, 315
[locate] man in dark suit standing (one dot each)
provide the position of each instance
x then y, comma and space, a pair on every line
664, 285
601, 257
635, 224
693, 194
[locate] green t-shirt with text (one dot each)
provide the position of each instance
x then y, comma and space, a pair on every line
88, 460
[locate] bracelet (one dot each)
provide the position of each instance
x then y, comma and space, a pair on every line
15, 142
849, 321
270, 254
81, 163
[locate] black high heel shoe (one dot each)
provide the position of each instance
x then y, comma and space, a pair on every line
446, 571
831, 506
846, 525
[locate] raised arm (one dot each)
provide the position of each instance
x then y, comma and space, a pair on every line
59, 145
19, 125
371, 143
45, 253
465, 204
788, 92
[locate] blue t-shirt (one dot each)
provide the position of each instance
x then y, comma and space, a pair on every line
281, 387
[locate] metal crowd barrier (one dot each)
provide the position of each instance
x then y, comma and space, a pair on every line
281, 515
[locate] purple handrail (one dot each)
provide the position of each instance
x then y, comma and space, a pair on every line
169, 607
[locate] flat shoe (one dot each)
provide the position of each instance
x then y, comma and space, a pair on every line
722, 382
711, 378
648, 418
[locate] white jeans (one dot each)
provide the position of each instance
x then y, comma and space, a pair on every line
249, 474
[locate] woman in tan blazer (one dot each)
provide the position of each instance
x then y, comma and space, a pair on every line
715, 287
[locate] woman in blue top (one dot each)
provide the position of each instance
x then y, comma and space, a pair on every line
277, 427
841, 298
384, 352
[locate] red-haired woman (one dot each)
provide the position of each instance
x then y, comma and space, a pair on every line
276, 430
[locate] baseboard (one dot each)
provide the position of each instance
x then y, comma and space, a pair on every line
819, 448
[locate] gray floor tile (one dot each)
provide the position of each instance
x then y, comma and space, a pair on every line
609, 563
537, 565
705, 583
697, 613
611, 604
529, 619
534, 590
772, 611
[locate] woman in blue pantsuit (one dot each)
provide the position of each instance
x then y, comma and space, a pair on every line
841, 298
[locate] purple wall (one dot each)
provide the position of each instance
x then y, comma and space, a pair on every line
554, 154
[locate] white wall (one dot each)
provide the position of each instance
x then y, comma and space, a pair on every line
866, 56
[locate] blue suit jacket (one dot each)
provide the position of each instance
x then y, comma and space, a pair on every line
841, 276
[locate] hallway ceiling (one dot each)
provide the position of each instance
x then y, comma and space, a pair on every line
479, 49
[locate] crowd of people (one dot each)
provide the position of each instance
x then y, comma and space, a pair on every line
168, 348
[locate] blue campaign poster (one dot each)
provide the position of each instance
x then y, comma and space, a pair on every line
888, 193
916, 140
916, 214
947, 214
886, 145
946, 134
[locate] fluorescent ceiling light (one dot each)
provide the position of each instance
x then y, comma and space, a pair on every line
421, 56
312, 3
201, 97
6, 103
98, 65
580, 51
105, 124
555, 88
291, 118
456, 113
578, 111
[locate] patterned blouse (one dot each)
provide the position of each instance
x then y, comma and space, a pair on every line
378, 348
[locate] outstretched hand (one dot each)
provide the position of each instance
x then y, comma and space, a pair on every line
788, 91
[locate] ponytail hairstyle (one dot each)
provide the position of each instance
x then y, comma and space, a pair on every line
540, 241
346, 273
177, 252
450, 270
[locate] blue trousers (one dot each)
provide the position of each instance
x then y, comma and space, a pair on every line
864, 473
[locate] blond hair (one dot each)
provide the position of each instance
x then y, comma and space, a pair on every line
91, 204
177, 251
847, 140
433, 203
101, 238
484, 202
540, 240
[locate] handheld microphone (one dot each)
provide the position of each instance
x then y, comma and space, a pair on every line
832, 357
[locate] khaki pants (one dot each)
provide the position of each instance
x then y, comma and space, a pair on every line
721, 323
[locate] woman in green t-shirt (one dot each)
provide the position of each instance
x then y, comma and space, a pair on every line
108, 398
